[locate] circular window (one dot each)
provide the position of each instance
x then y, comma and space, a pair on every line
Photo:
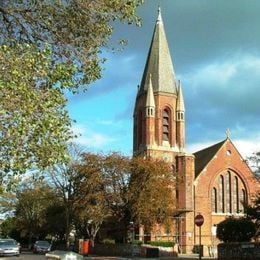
228, 152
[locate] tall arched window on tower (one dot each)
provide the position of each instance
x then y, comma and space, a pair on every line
214, 200
166, 125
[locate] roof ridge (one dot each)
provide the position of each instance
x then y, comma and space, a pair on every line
204, 156
209, 147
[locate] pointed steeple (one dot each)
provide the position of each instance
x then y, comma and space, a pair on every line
150, 104
150, 97
180, 100
159, 63
159, 19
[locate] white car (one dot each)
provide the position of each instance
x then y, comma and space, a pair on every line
9, 247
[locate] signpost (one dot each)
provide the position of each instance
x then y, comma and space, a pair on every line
199, 220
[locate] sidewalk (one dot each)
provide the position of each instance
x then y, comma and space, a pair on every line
180, 257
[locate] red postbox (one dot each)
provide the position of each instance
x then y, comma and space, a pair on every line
85, 248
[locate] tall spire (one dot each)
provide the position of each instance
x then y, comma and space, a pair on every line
159, 19
180, 100
150, 97
159, 63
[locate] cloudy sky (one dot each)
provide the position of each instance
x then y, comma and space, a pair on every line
215, 48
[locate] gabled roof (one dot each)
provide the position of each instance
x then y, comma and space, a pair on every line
203, 157
159, 64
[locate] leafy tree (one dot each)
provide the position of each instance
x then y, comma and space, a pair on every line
62, 177
117, 172
34, 124
151, 191
9, 228
91, 196
32, 201
253, 213
76, 29
55, 216
254, 162
235, 230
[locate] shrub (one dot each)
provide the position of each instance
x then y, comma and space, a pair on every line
137, 242
109, 241
162, 243
235, 230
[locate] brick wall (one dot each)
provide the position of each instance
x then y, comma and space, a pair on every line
239, 251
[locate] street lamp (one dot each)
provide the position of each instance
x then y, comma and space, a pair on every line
132, 228
214, 233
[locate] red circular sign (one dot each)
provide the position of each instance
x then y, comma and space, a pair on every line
199, 220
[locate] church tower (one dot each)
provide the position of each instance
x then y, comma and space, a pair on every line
159, 114
159, 126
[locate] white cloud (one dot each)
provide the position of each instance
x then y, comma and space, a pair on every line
90, 139
248, 147
226, 72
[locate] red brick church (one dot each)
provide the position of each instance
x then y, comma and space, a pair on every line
216, 180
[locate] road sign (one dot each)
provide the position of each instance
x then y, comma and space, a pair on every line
199, 220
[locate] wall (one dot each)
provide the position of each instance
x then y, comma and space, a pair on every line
237, 251
127, 250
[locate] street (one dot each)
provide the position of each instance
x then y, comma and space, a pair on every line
25, 256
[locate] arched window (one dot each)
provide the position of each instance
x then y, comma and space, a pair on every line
214, 199
221, 194
242, 200
228, 193
166, 125
235, 195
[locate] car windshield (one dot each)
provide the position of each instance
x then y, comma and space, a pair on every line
42, 243
8, 243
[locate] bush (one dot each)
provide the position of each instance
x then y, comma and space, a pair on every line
235, 230
108, 241
137, 242
162, 243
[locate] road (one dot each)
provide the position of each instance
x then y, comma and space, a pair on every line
25, 256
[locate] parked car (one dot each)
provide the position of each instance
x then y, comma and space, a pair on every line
41, 247
9, 247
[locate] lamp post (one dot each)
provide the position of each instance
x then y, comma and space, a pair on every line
213, 233
132, 228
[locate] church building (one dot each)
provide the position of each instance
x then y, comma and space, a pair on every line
216, 181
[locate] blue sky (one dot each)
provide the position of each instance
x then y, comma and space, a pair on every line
215, 48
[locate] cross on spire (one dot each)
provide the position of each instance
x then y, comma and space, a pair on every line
228, 133
159, 19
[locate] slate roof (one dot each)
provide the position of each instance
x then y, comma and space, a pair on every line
159, 64
203, 157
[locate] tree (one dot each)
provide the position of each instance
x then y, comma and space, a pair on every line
34, 123
116, 171
9, 228
62, 178
76, 29
254, 162
235, 230
253, 213
56, 224
91, 196
151, 191
32, 201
